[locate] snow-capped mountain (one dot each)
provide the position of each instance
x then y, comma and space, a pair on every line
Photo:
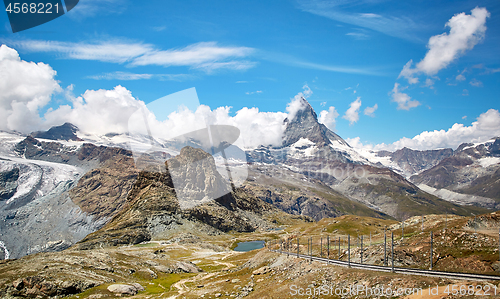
58, 186
311, 149
471, 175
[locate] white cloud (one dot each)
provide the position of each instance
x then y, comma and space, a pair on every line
465, 32
370, 111
352, 114
205, 56
91, 8
358, 35
484, 128
98, 111
108, 111
429, 83
328, 117
476, 83
127, 76
460, 77
465, 92
398, 26
252, 92
25, 87
296, 104
404, 100
115, 51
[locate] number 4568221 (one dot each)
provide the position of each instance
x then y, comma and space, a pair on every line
33, 8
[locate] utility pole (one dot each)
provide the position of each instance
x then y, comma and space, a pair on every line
432, 243
339, 248
298, 247
385, 246
361, 249
321, 248
311, 258
392, 251
403, 229
349, 250
328, 248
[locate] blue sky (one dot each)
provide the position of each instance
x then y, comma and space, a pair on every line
262, 53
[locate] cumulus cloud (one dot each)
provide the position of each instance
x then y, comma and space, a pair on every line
352, 114
466, 31
328, 117
297, 103
25, 87
404, 100
484, 128
370, 111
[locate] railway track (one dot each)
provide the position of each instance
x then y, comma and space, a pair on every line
410, 271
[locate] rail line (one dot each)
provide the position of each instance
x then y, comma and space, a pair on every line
410, 271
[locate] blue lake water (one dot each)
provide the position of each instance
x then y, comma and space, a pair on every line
251, 245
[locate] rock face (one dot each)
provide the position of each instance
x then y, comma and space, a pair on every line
8, 183
414, 161
65, 132
153, 211
195, 177
474, 169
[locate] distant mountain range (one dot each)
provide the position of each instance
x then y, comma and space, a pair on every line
61, 186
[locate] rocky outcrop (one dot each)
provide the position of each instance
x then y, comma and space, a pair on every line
195, 177
414, 161
64, 132
152, 209
102, 192
8, 183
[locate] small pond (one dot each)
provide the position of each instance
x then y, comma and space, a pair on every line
251, 245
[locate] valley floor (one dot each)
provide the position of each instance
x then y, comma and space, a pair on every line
189, 266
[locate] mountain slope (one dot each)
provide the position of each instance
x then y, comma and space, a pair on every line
311, 149
474, 169
153, 211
